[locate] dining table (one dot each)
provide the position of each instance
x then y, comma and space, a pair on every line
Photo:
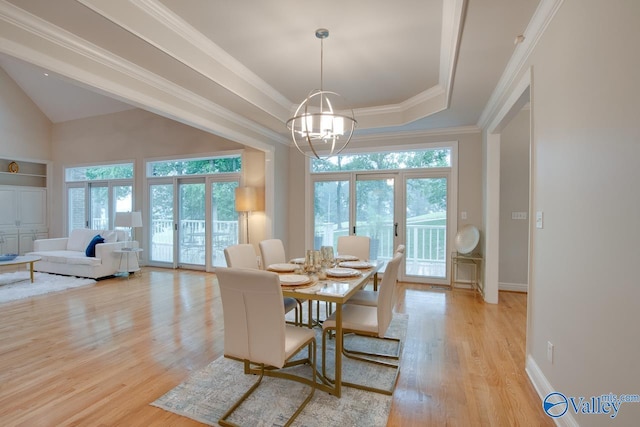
335, 290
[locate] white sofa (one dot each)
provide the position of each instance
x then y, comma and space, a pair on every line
66, 255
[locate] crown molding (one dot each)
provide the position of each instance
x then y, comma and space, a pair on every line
539, 22
210, 57
392, 136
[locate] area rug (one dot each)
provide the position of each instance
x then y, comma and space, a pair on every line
17, 285
208, 393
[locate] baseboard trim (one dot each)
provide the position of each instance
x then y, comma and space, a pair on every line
513, 287
543, 388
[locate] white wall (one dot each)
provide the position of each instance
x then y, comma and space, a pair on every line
514, 197
584, 293
125, 136
25, 132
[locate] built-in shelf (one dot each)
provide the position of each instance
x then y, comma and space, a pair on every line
30, 174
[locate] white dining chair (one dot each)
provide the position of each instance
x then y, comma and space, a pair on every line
272, 252
255, 331
354, 245
369, 321
370, 298
244, 256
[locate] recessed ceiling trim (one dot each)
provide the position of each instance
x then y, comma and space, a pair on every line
200, 53
423, 104
419, 135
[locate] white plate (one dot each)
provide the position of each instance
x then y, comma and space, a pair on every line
467, 239
347, 258
355, 264
342, 272
297, 261
294, 279
282, 267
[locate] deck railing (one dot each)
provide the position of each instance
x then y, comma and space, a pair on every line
425, 253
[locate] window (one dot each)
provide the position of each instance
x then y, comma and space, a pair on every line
432, 158
192, 210
202, 166
394, 198
95, 193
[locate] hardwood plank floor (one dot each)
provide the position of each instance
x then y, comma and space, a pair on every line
97, 356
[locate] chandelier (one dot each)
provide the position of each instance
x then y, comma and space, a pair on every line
321, 126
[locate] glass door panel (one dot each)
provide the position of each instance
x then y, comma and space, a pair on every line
76, 208
99, 213
161, 214
375, 213
191, 223
331, 212
123, 198
224, 220
426, 227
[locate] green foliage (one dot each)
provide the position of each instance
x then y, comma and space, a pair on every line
100, 173
384, 161
197, 167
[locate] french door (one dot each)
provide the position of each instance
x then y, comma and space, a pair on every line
411, 208
426, 222
356, 204
375, 215
192, 221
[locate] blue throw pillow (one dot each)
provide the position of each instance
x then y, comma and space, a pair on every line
91, 249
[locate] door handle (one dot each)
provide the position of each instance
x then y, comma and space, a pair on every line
395, 229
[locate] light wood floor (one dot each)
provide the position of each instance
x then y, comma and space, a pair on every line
97, 356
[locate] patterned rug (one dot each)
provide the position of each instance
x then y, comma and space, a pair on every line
208, 393
17, 285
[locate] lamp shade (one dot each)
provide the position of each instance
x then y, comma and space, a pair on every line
123, 219
128, 219
246, 199
136, 219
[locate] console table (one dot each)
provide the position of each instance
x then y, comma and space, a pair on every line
472, 260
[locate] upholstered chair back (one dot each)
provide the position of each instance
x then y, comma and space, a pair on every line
241, 256
354, 245
272, 252
387, 294
254, 324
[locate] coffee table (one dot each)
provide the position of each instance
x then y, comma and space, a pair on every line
22, 260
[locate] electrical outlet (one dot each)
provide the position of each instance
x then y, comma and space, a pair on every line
550, 351
463, 215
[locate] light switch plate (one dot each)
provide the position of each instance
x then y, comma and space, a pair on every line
518, 215
539, 220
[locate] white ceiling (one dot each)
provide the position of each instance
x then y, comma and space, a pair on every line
241, 67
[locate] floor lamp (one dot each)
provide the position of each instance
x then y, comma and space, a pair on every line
128, 220
246, 201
